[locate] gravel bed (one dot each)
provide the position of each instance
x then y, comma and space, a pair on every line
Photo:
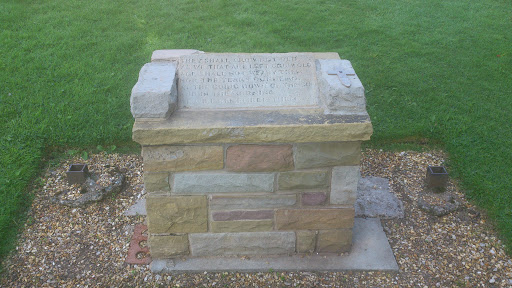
86, 247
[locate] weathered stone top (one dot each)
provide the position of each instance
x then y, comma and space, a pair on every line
187, 96
249, 126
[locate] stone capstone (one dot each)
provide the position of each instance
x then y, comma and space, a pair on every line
167, 246
182, 158
334, 241
315, 155
218, 182
314, 219
303, 180
244, 243
176, 214
259, 158
283, 126
155, 94
344, 182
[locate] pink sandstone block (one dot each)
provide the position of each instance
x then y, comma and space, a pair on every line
313, 198
256, 158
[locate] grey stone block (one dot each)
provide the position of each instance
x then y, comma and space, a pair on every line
374, 199
344, 184
155, 94
245, 243
203, 183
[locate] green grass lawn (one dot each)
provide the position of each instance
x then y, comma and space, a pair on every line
438, 69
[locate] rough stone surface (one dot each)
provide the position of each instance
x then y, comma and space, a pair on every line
344, 182
439, 204
241, 226
168, 246
254, 158
313, 198
155, 94
156, 182
218, 202
264, 126
315, 155
306, 241
242, 215
334, 241
337, 97
241, 80
244, 243
303, 180
314, 219
203, 183
176, 214
375, 200
93, 192
182, 158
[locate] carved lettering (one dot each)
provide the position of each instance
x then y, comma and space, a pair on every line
228, 81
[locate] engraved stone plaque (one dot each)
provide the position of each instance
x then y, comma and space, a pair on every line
240, 80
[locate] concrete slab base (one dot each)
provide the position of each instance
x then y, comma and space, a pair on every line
139, 208
370, 251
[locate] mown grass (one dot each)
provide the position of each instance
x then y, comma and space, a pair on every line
436, 69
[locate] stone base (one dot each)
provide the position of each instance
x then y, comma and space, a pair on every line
370, 252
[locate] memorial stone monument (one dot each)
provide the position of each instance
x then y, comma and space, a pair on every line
249, 154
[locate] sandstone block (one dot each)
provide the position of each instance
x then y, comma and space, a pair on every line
314, 219
189, 127
241, 226
344, 184
258, 158
306, 241
303, 180
155, 94
334, 241
156, 182
218, 202
203, 183
176, 214
182, 158
315, 155
168, 246
313, 198
244, 243
242, 215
